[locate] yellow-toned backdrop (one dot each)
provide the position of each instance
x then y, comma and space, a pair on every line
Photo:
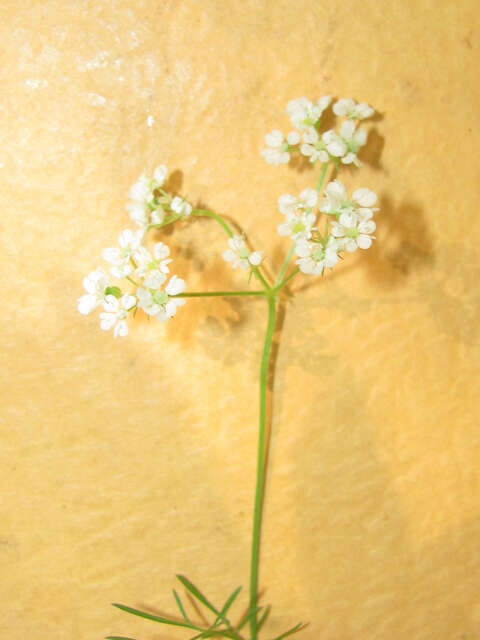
124, 462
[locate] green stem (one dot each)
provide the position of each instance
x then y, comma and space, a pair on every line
322, 176
257, 515
201, 294
284, 266
132, 281
215, 216
289, 277
258, 274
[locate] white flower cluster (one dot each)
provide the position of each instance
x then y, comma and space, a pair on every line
310, 141
350, 227
150, 203
349, 222
147, 271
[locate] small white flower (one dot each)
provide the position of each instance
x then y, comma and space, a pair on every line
334, 144
159, 175
299, 216
181, 206
95, 284
288, 203
354, 229
115, 312
304, 114
337, 200
353, 139
146, 262
314, 256
354, 225
349, 108
143, 206
129, 242
336, 197
277, 148
313, 147
240, 255
157, 302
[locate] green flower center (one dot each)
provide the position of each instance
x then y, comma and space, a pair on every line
351, 232
298, 226
160, 297
243, 253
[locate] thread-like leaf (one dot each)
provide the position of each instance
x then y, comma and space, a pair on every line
247, 617
118, 638
195, 592
210, 633
289, 632
149, 616
180, 606
263, 617
230, 601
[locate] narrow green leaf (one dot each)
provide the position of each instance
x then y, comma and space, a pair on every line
195, 592
149, 616
118, 638
180, 606
263, 617
289, 632
222, 615
247, 617
230, 601
210, 633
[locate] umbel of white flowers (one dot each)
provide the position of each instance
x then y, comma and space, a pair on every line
347, 221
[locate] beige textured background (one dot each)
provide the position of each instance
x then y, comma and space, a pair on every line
124, 462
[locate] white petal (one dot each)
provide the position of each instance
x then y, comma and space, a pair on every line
310, 136
229, 255
87, 304
170, 308
175, 286
360, 137
154, 279
128, 301
293, 137
337, 148
343, 106
284, 229
255, 258
306, 150
286, 202
107, 320
160, 250
111, 304
347, 129
364, 197
303, 248
309, 197
364, 242
364, 110
323, 102
336, 189
160, 174
121, 329
274, 139
112, 255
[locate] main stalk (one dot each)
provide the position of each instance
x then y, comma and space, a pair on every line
261, 467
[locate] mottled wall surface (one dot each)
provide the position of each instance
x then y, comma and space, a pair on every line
124, 462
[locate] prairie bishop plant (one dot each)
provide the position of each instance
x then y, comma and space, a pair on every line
321, 223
